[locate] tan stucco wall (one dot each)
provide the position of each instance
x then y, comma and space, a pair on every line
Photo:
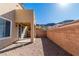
40, 33
66, 36
7, 41
24, 16
32, 21
7, 7
7, 10
15, 12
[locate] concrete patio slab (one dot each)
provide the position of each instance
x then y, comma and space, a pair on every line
41, 47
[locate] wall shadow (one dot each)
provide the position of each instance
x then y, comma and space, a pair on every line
12, 48
52, 49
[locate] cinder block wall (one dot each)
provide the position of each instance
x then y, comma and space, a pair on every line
66, 37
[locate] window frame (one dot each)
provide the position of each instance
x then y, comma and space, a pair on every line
10, 28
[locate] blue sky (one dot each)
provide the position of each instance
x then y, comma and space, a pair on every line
53, 12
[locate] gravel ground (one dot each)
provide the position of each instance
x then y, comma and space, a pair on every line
41, 47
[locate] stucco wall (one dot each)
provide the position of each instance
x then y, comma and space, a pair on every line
40, 33
7, 10
7, 7
24, 16
4, 42
66, 36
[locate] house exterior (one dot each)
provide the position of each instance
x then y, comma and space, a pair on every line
15, 23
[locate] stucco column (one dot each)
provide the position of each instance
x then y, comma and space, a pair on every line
17, 31
32, 31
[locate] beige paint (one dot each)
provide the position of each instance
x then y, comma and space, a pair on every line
7, 7
13, 38
32, 29
24, 16
66, 36
41, 33
12, 11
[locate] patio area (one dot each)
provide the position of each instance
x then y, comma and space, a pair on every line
41, 47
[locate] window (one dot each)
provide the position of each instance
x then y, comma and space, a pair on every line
5, 27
